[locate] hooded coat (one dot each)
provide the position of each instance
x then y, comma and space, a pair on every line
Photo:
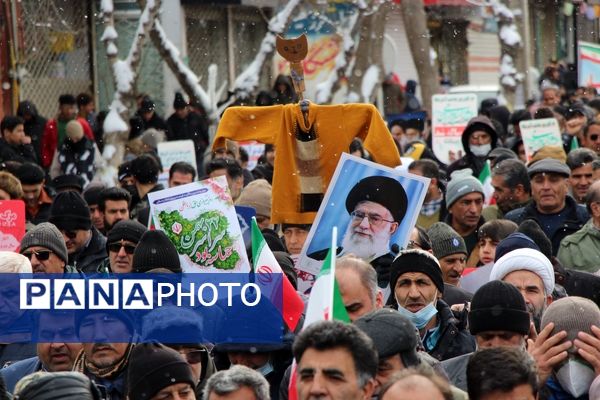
34, 127
469, 160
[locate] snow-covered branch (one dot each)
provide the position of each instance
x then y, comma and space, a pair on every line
247, 82
510, 42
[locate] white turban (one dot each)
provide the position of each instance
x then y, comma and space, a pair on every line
12, 262
528, 260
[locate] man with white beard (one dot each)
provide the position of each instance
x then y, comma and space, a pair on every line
376, 205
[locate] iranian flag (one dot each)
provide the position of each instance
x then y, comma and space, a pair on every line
264, 262
325, 302
588, 64
485, 177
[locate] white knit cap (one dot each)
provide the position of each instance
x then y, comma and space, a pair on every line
11, 262
528, 260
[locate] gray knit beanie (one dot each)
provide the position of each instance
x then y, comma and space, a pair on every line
462, 182
46, 235
445, 240
572, 314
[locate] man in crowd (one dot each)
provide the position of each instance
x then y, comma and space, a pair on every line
85, 245
580, 163
38, 198
14, 144
579, 251
181, 173
121, 242
257, 194
498, 317
145, 170
45, 248
417, 287
464, 199
502, 373
550, 95
335, 360
418, 384
91, 195
357, 281
113, 204
232, 170
450, 250
511, 189
478, 139
532, 273
294, 236
555, 211
434, 208
237, 382
591, 137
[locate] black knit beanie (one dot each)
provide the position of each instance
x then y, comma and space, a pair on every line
416, 260
56, 386
532, 229
70, 212
153, 367
155, 250
92, 193
498, 306
129, 230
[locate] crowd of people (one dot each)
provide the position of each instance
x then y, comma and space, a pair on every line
489, 300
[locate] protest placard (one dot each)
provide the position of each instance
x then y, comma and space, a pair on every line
537, 133
388, 202
12, 224
201, 221
450, 115
254, 150
172, 152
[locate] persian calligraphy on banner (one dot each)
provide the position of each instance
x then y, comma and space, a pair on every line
538, 133
172, 152
201, 221
450, 115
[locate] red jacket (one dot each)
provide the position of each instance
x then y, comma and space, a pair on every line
50, 139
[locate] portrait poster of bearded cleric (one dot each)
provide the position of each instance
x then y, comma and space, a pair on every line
374, 209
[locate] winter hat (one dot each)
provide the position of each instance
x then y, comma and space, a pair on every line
155, 250
70, 212
46, 235
531, 228
67, 182
445, 240
549, 165
498, 306
392, 333
179, 102
525, 259
572, 314
462, 183
514, 241
92, 193
416, 260
44, 385
549, 152
30, 174
129, 230
153, 367
257, 194
147, 105
11, 262
74, 130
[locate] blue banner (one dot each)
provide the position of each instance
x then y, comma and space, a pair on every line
220, 308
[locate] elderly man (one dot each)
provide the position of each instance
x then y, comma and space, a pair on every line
335, 360
555, 211
511, 189
532, 273
464, 199
357, 282
237, 382
498, 317
121, 242
45, 248
417, 287
376, 206
580, 250
85, 245
580, 162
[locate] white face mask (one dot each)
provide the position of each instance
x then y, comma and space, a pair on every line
575, 377
480, 150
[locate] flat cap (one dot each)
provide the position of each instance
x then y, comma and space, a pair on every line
549, 165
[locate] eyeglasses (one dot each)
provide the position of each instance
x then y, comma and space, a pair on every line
41, 255
194, 356
594, 137
69, 234
374, 219
116, 247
